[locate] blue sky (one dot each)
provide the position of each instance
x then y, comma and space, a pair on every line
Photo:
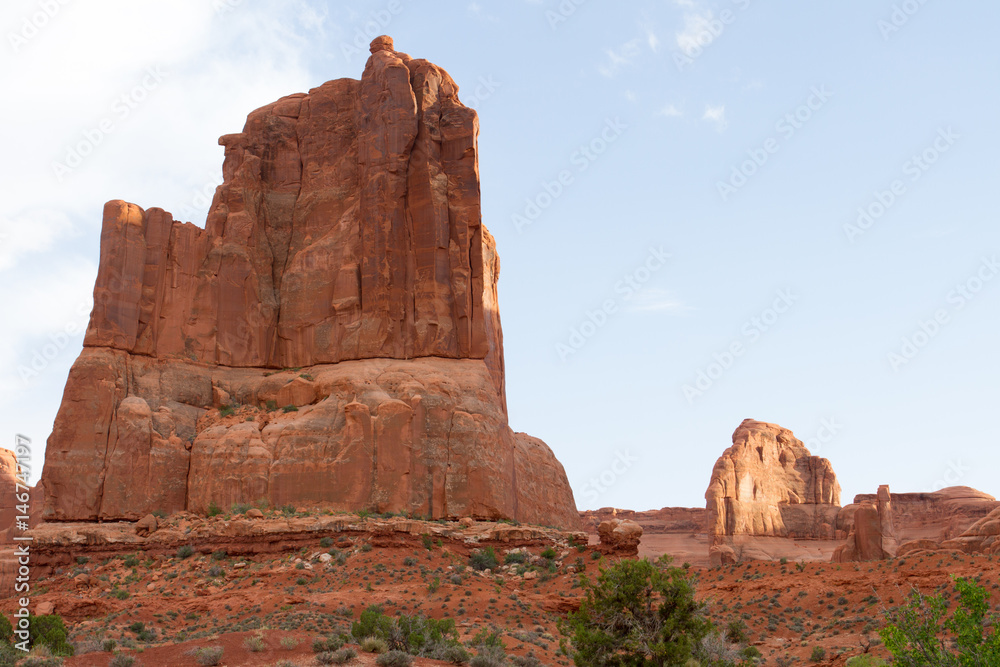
705, 211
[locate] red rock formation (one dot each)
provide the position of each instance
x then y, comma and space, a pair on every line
767, 484
668, 520
345, 243
938, 516
872, 535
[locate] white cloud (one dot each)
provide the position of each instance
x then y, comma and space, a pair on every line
670, 111
620, 57
656, 301
696, 34
716, 115
31, 232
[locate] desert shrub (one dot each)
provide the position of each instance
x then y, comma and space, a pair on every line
328, 644
489, 656
666, 623
487, 637
226, 411
213, 509
515, 557
919, 635
108, 645
818, 653
341, 657
40, 659
9, 655
394, 659
254, 644
715, 649
373, 645
288, 643
483, 559
525, 661
288, 510
550, 553
185, 551
221, 554
456, 655
866, 660
737, 631
326, 542
289, 408
122, 660
209, 655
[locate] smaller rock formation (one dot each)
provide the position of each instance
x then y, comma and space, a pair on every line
769, 485
871, 535
620, 537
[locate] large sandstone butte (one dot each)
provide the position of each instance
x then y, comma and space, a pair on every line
767, 484
343, 277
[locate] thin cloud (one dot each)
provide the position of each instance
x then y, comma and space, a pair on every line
670, 111
697, 33
716, 115
620, 57
656, 301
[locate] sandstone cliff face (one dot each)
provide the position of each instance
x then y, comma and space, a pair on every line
767, 484
345, 243
665, 521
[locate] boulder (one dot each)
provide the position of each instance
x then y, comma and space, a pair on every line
620, 536
344, 277
147, 525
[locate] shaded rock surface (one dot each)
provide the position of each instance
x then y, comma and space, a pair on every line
872, 535
620, 536
331, 337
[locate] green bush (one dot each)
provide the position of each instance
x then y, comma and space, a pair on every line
50, 632
122, 660
666, 623
818, 653
918, 637
213, 509
185, 551
6, 630
394, 659
550, 553
417, 635
515, 557
328, 644
289, 408
865, 660
483, 559
254, 644
226, 411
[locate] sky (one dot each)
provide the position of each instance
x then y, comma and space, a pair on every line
705, 211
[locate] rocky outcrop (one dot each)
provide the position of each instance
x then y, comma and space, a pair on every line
331, 337
13, 492
872, 535
939, 515
620, 536
768, 484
